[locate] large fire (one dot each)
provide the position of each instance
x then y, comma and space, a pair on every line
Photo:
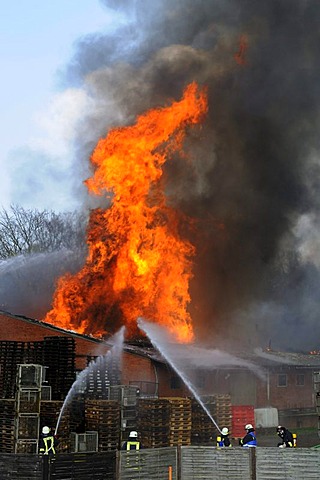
138, 265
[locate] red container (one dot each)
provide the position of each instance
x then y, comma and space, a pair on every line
241, 415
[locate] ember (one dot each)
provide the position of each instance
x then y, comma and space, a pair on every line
138, 265
240, 55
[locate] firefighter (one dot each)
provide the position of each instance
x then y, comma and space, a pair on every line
132, 443
286, 437
249, 440
223, 439
47, 442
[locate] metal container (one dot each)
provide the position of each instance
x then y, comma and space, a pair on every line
84, 442
29, 376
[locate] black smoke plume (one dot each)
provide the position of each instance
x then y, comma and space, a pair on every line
251, 180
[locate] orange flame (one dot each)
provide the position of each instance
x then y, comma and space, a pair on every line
137, 265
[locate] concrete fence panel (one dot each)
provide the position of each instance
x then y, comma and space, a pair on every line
287, 464
147, 464
206, 463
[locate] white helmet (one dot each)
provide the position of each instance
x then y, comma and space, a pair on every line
133, 434
45, 430
225, 431
248, 426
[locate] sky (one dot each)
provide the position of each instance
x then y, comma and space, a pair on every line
37, 40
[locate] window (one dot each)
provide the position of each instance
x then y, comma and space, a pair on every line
300, 379
282, 380
175, 383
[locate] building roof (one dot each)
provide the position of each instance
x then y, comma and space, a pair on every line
269, 358
263, 358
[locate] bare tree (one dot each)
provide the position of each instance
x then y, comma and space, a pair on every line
32, 231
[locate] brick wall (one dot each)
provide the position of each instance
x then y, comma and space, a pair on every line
14, 328
291, 395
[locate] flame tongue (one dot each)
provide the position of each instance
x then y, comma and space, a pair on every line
137, 266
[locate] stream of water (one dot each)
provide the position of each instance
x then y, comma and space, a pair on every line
160, 344
111, 360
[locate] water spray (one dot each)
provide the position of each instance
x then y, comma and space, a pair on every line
103, 360
143, 325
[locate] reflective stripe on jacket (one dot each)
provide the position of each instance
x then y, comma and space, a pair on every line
48, 445
133, 445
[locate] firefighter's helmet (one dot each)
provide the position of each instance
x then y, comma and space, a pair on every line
133, 434
45, 430
225, 431
248, 426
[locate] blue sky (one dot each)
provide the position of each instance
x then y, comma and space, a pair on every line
37, 39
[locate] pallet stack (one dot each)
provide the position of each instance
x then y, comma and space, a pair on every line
49, 414
102, 372
57, 353
27, 407
103, 416
127, 396
164, 422
59, 357
7, 412
204, 431
223, 411
11, 354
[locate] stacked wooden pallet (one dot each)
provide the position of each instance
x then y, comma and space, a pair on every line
33, 352
103, 372
7, 413
103, 416
223, 411
49, 414
204, 431
76, 410
59, 356
164, 422
11, 353
180, 421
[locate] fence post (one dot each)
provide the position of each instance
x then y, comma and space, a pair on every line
45, 467
118, 465
253, 471
179, 466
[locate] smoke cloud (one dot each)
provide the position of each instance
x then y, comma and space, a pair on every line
27, 282
252, 173
251, 178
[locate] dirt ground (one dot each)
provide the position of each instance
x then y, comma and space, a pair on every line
307, 437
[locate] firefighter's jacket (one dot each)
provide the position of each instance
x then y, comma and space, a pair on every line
249, 440
47, 444
223, 441
286, 437
131, 445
